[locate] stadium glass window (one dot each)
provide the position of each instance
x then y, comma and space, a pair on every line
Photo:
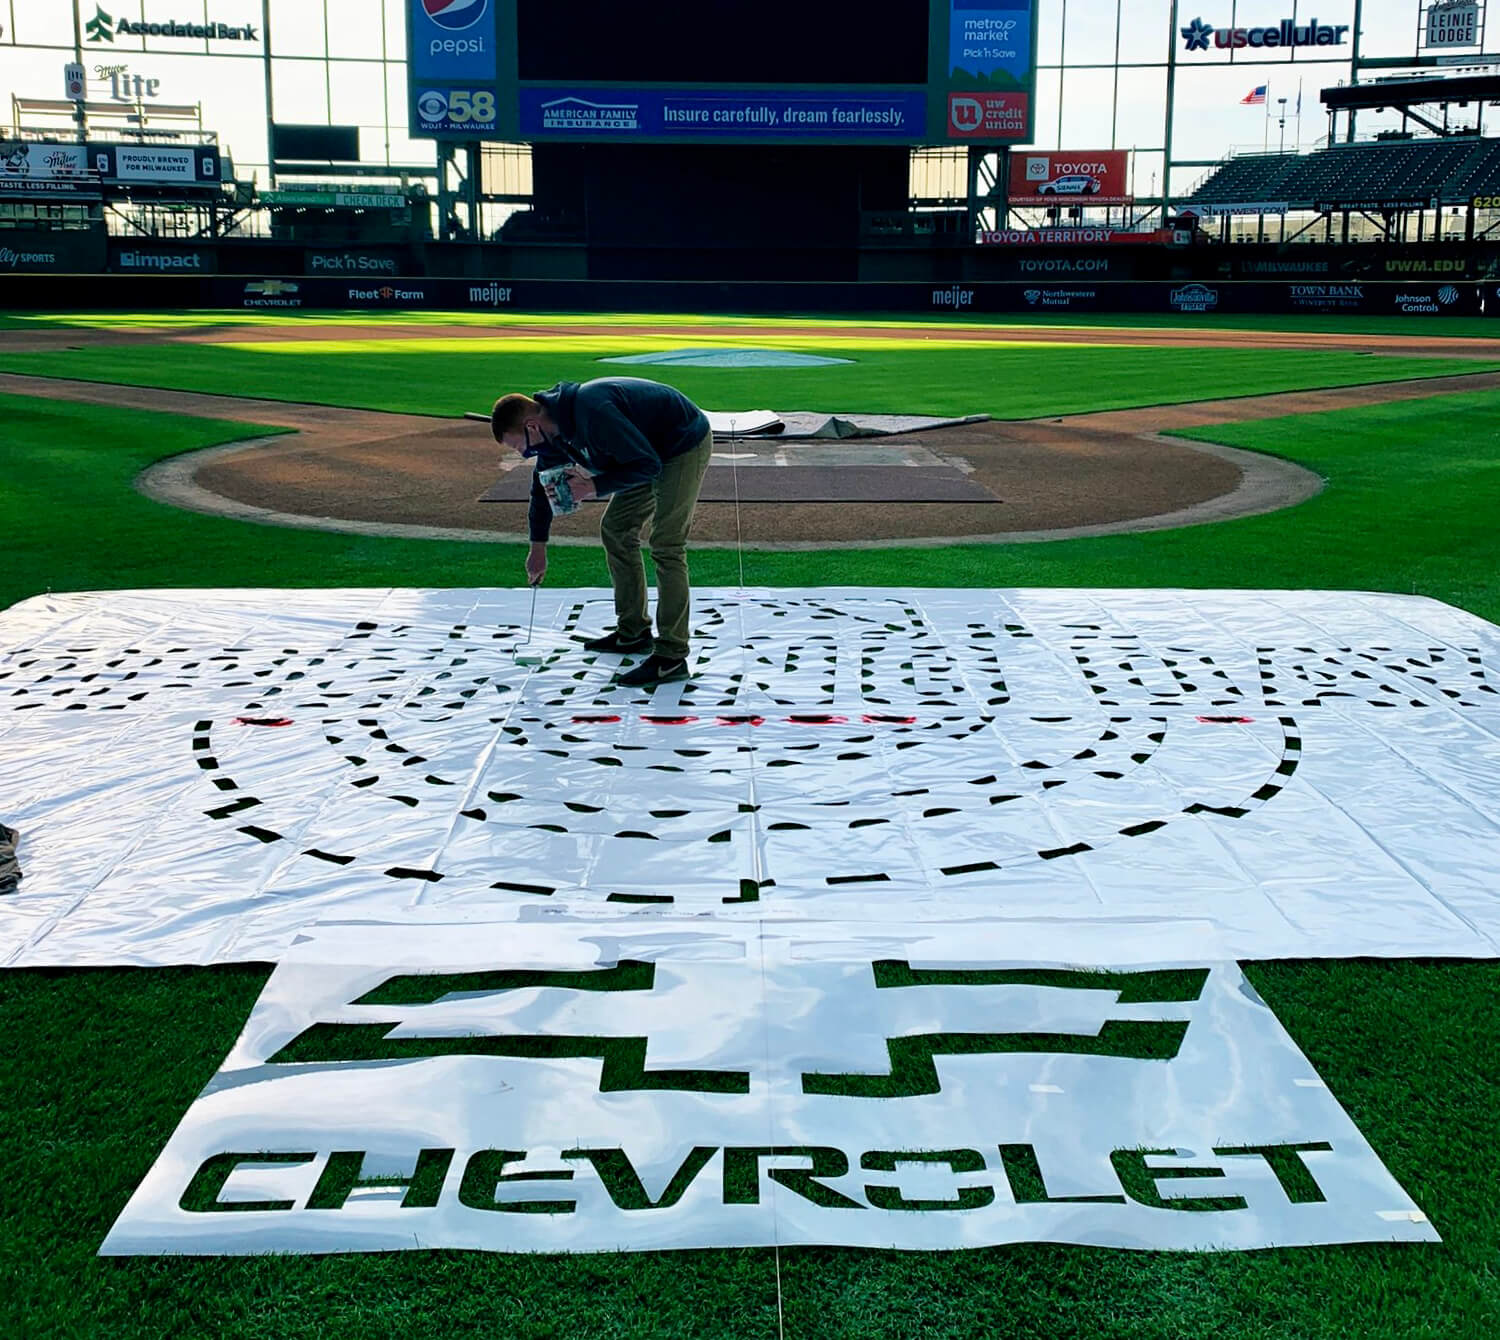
355, 31
297, 28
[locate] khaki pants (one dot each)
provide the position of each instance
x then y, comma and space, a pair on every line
667, 502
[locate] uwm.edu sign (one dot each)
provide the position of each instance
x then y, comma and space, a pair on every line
592, 1086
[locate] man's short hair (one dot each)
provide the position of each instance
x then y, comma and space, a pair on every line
510, 412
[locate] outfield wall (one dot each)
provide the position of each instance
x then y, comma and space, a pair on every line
1050, 256
217, 292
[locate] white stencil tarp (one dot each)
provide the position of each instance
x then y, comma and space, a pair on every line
667, 1083
197, 775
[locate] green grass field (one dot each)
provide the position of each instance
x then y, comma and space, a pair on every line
900, 373
101, 1064
1464, 326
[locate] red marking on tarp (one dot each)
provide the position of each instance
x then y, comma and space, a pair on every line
1226, 721
669, 721
586, 721
809, 719
873, 718
262, 721
739, 721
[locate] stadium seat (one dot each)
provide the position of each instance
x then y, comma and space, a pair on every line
1395, 171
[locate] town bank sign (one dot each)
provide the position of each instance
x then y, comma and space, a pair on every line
1198, 36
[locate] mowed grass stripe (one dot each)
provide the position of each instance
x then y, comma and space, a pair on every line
1006, 382
501, 318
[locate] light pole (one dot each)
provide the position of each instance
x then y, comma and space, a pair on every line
1281, 122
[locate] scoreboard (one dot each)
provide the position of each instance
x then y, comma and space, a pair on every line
723, 71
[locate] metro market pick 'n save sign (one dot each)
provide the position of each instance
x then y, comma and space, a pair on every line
592, 1085
990, 70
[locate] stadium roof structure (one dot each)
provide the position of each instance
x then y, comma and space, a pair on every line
1414, 92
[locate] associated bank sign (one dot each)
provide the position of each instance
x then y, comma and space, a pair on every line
104, 27
1199, 36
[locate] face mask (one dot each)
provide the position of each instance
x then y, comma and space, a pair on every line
544, 439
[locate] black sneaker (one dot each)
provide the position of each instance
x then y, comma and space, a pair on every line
653, 670
616, 645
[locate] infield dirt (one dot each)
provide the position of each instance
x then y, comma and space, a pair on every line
1049, 478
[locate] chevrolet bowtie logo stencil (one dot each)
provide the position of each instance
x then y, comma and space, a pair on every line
409, 1031
576, 1085
268, 758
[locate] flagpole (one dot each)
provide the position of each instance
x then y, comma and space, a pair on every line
1299, 114
1265, 137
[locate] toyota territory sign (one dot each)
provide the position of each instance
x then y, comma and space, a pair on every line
1066, 177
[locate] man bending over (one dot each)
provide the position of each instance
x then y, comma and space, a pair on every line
644, 447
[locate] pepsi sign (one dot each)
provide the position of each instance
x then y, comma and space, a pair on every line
455, 15
451, 39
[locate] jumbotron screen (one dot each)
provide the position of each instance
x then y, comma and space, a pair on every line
722, 42
723, 71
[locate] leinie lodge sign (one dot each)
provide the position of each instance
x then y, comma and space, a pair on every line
1455, 24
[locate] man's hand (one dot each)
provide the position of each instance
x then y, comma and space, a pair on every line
582, 485
536, 564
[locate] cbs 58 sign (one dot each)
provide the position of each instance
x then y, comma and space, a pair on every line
454, 111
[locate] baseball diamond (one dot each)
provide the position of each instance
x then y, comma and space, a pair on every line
1081, 475
750, 671
1146, 763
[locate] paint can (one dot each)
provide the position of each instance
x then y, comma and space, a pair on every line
560, 491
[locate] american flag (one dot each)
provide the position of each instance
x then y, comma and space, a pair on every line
1255, 96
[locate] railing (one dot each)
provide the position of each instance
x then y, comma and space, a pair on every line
529, 225
906, 225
